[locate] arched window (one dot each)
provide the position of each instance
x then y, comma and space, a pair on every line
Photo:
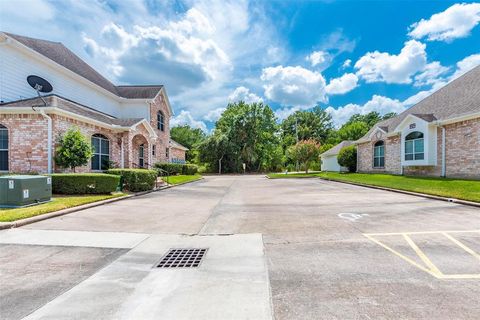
3, 148
101, 152
379, 154
160, 121
141, 155
414, 146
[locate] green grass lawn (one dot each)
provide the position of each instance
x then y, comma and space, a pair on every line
450, 188
58, 202
182, 178
292, 175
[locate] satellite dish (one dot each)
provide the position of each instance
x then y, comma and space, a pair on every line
39, 84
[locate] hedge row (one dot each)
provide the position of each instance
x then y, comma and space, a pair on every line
136, 180
177, 168
84, 183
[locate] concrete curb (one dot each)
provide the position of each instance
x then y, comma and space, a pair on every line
423, 195
186, 182
45, 216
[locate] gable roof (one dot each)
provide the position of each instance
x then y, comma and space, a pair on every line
457, 98
60, 54
174, 144
336, 149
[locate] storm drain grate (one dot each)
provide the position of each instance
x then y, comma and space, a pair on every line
182, 258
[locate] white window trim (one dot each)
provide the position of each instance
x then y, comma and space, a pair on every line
100, 154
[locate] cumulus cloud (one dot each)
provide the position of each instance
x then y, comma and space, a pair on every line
343, 84
214, 115
321, 58
378, 103
455, 22
384, 67
243, 94
431, 74
185, 118
346, 63
465, 65
293, 86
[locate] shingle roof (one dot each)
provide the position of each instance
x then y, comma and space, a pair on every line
336, 149
60, 54
175, 144
73, 107
457, 98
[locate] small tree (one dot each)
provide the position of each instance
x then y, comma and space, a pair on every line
73, 150
305, 152
347, 157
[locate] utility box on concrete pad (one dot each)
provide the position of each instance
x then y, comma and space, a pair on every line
20, 191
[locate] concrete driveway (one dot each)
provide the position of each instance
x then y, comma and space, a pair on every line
333, 251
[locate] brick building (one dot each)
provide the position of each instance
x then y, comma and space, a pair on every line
127, 125
439, 136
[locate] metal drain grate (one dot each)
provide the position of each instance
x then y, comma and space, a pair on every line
182, 258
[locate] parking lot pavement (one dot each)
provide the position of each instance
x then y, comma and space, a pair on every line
334, 251
33, 275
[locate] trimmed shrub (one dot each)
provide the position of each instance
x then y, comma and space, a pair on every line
84, 183
136, 180
189, 169
347, 157
171, 168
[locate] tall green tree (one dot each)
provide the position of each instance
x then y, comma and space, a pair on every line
190, 138
74, 150
353, 130
251, 133
311, 124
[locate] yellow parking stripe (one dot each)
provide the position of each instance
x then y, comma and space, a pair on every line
401, 256
461, 245
420, 232
429, 267
422, 256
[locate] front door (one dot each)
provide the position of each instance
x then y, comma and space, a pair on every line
141, 159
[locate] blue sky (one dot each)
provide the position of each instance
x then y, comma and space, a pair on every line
346, 56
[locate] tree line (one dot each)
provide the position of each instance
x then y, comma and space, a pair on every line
249, 137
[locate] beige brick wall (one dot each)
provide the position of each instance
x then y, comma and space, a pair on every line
163, 140
178, 154
462, 153
392, 156
62, 124
27, 136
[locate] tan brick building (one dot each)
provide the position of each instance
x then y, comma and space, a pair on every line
128, 126
439, 136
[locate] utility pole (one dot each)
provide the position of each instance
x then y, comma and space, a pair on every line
296, 134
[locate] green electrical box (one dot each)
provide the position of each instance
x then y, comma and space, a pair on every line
20, 191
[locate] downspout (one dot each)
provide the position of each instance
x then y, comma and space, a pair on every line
122, 155
444, 165
49, 140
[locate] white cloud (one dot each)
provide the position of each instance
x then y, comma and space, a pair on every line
379, 104
347, 63
343, 84
293, 86
318, 58
214, 115
283, 113
465, 65
431, 74
434, 77
384, 67
185, 118
243, 94
455, 22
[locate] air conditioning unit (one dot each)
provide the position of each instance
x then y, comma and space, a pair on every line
21, 191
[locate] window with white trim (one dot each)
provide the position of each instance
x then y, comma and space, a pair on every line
101, 152
141, 155
379, 154
414, 146
3, 148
